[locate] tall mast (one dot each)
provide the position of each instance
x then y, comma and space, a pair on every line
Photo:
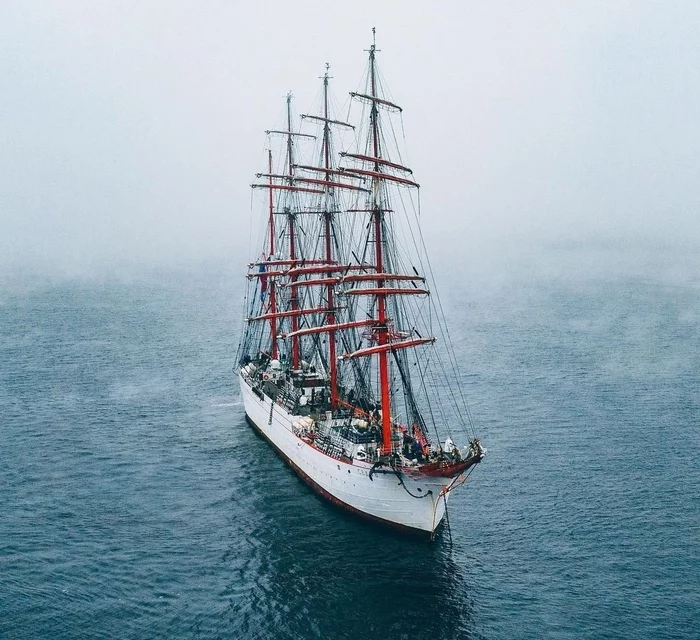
378, 215
292, 242
273, 294
327, 216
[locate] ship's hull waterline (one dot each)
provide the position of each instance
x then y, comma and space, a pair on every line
412, 503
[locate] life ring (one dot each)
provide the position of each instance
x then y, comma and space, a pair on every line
266, 377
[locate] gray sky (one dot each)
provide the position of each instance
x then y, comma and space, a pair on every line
130, 131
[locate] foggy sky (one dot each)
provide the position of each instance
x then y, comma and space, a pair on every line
130, 131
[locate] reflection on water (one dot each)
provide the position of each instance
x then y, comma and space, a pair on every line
315, 571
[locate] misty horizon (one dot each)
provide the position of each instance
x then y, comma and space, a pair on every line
130, 134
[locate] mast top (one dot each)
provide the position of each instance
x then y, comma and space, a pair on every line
373, 48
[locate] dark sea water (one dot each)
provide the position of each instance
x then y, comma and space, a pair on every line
135, 502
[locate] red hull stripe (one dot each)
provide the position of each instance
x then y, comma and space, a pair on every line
450, 471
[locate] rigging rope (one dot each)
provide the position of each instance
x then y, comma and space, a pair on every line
403, 484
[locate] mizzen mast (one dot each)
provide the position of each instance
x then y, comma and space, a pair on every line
268, 269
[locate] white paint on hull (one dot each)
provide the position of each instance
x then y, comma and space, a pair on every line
383, 497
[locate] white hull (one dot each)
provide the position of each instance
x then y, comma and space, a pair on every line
382, 497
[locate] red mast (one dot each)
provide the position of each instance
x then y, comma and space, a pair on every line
273, 294
382, 331
292, 241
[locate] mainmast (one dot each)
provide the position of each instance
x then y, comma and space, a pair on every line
328, 177
273, 293
378, 215
386, 333
292, 241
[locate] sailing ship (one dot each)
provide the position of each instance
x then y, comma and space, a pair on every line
339, 366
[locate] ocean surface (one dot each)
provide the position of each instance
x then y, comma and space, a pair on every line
135, 502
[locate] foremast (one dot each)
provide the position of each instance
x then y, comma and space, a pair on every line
291, 223
383, 331
383, 335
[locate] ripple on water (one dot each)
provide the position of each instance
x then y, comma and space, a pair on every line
138, 503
